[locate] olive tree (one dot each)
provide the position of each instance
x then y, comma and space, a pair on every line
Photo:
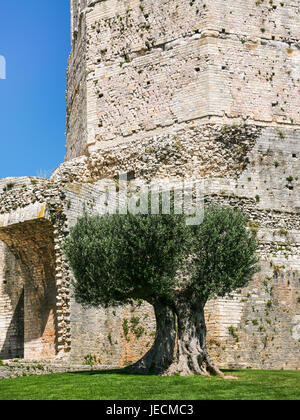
176, 268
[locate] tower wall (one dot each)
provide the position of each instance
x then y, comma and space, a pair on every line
77, 87
153, 67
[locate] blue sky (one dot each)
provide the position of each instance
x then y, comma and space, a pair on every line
35, 41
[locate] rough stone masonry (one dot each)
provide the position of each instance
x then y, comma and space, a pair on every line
200, 89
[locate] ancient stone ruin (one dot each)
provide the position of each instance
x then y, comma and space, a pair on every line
200, 89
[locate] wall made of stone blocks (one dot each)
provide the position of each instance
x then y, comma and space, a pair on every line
11, 306
241, 160
77, 7
271, 176
256, 170
76, 96
155, 65
32, 245
259, 328
134, 25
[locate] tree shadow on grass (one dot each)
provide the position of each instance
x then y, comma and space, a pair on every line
126, 371
102, 372
234, 370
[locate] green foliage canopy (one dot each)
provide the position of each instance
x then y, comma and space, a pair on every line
224, 253
118, 258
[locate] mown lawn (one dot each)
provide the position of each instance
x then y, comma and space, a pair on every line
118, 385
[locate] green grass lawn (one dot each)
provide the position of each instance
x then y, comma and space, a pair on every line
118, 385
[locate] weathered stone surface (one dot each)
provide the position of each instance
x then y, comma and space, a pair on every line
19, 368
152, 67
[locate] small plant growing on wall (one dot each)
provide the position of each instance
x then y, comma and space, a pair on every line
9, 186
91, 360
125, 328
232, 332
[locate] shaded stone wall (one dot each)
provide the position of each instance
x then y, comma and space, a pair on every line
116, 336
76, 95
32, 245
11, 306
77, 6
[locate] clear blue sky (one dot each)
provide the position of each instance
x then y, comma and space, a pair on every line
35, 41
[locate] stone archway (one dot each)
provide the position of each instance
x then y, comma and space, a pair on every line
29, 290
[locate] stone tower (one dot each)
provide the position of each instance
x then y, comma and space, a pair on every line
199, 89
203, 89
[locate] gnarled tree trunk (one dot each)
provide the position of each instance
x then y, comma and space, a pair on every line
161, 355
180, 343
191, 357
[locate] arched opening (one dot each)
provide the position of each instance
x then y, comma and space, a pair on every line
28, 291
